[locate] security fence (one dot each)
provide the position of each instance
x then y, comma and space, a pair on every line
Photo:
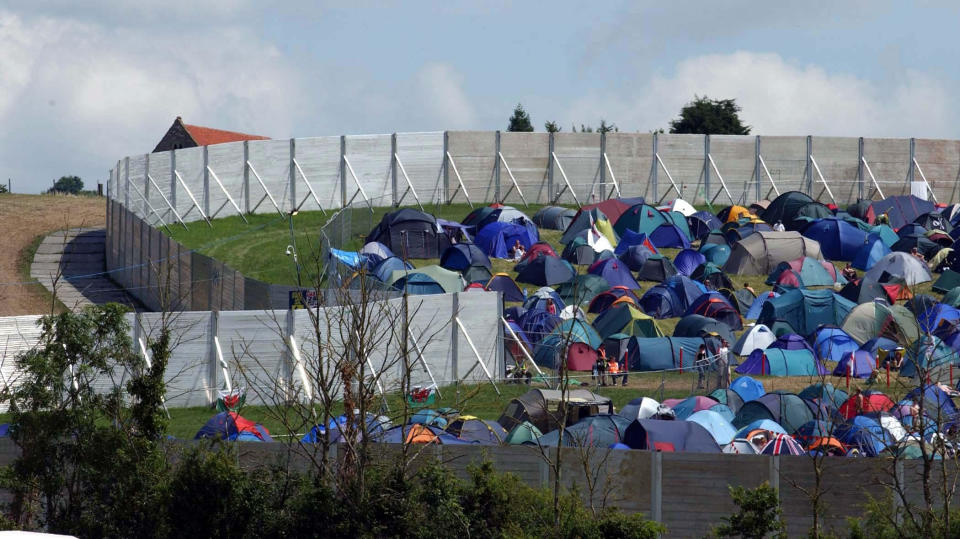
326, 173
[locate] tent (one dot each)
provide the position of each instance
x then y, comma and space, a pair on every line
461, 256
479, 430
924, 246
640, 408
806, 310
865, 434
695, 325
554, 217
579, 252
377, 250
838, 239
587, 219
928, 355
662, 353
786, 409
581, 342
543, 408
899, 210
701, 223
759, 253
756, 337
538, 299
629, 239
415, 283
502, 282
878, 319
480, 217
687, 260
449, 281
384, 269
640, 218
858, 364
952, 297
497, 239
777, 362
930, 319
715, 253
669, 235
768, 425
786, 207
864, 402
901, 266
591, 431
582, 289
808, 272
604, 300
757, 306
656, 268
615, 272
418, 434
782, 444
712, 276
682, 207
831, 343
737, 233
729, 398
670, 436
827, 394
718, 427
234, 427
522, 433
614, 207
741, 298
714, 305
546, 271
412, 232
748, 388
635, 257
733, 213
538, 324
671, 297
627, 319
792, 341
870, 252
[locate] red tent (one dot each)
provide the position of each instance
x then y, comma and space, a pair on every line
613, 208
864, 403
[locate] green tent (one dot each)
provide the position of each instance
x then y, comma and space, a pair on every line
450, 281
641, 218
952, 298
787, 409
524, 432
877, 319
928, 355
948, 280
582, 289
627, 319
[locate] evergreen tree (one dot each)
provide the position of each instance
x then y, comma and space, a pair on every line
520, 121
707, 116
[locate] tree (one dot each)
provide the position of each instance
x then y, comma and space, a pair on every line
552, 127
758, 516
520, 121
67, 184
707, 116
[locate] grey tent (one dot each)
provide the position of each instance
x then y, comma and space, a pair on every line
542, 408
901, 266
554, 217
760, 252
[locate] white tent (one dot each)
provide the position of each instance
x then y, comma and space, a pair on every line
758, 336
642, 408
682, 206
902, 266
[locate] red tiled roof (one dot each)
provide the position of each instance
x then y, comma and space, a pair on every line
205, 136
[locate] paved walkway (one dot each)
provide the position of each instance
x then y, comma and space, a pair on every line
71, 265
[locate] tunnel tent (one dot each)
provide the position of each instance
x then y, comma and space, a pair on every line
657, 268
702, 223
543, 408
759, 253
756, 337
640, 218
735, 234
628, 320
582, 289
785, 409
664, 353
413, 233
878, 319
899, 210
695, 325
806, 310
777, 362
838, 239
554, 217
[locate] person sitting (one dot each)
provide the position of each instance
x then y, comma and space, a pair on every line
916, 254
748, 288
778, 227
849, 273
551, 307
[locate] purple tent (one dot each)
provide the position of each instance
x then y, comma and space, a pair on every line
862, 363
670, 436
687, 260
669, 235
792, 341
615, 272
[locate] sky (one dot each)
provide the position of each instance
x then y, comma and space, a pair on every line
83, 84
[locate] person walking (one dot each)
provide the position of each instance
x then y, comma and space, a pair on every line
723, 364
700, 364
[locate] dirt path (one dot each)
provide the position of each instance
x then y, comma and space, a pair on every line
22, 219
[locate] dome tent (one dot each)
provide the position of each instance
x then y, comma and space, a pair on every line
554, 217
657, 268
636, 256
839, 240
413, 233
461, 256
756, 337
687, 260
806, 310
777, 362
496, 239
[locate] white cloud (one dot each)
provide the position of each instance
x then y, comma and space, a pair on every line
440, 89
780, 98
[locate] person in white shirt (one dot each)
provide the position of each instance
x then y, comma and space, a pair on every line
779, 227
723, 363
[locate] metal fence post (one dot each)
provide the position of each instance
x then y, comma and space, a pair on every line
206, 182
551, 145
775, 473
343, 171
860, 168
246, 177
393, 167
603, 168
446, 167
706, 169
126, 182
214, 362
758, 172
146, 183
913, 160
293, 174
656, 491
496, 168
654, 169
288, 358
454, 342
808, 174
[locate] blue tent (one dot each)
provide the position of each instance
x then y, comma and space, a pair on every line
931, 318
859, 364
349, 258
839, 240
718, 426
636, 256
911, 229
865, 434
601, 430
502, 282
748, 388
736, 234
669, 235
927, 352
615, 272
418, 284
777, 362
662, 353
761, 424
496, 239
724, 410
792, 341
671, 297
538, 300
687, 260
879, 343
805, 310
538, 324
831, 343
755, 308
387, 266
461, 256
399, 434
870, 253
937, 404
545, 270
670, 436
701, 223
631, 238
234, 427
716, 253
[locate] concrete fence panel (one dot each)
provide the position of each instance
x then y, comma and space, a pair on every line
889, 160
189, 167
630, 156
735, 159
683, 156
839, 162
940, 162
527, 156
227, 164
474, 155
369, 155
421, 155
271, 161
786, 159
319, 160
579, 155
